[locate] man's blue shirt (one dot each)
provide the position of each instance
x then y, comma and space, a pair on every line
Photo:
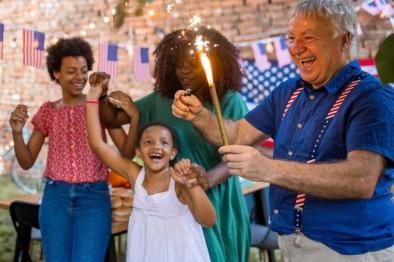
365, 121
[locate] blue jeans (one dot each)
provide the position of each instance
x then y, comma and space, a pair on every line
75, 221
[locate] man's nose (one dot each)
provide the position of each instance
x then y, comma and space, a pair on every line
296, 47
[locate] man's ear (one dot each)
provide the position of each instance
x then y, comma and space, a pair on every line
173, 153
346, 40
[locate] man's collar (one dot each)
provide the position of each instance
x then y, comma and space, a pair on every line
340, 79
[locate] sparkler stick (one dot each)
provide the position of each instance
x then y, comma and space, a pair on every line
212, 89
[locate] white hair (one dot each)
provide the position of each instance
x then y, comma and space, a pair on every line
341, 13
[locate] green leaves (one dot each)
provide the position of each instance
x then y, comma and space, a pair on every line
385, 60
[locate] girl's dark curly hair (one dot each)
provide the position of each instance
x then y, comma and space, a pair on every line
174, 136
67, 47
223, 55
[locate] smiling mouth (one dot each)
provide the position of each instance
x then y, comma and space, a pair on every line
155, 156
308, 61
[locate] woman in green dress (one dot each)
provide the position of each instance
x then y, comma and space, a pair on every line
178, 67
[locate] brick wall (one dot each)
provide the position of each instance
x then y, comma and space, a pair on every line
241, 21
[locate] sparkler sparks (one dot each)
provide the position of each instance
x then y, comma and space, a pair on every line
195, 21
201, 44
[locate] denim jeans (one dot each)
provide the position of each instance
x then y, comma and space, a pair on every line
75, 221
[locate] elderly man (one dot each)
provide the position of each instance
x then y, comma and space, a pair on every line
334, 144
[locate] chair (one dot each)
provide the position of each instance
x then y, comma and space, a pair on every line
262, 236
24, 216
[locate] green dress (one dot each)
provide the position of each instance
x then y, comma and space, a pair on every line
229, 239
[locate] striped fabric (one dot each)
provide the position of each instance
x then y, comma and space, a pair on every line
108, 59
1, 40
141, 66
33, 48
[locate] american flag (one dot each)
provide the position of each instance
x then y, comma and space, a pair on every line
1, 40
368, 65
260, 55
108, 59
377, 7
281, 52
141, 63
33, 48
258, 84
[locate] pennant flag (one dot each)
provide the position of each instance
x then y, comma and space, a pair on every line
141, 63
368, 65
282, 54
377, 7
260, 56
387, 8
1, 40
258, 84
372, 7
33, 48
108, 59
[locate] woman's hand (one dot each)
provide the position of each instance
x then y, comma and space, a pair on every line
186, 106
98, 85
18, 118
123, 101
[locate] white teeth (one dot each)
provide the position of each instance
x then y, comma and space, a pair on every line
155, 155
307, 60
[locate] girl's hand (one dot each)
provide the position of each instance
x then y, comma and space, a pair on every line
186, 106
18, 118
183, 166
98, 85
123, 101
192, 173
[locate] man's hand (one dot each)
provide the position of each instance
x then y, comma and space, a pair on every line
185, 106
247, 162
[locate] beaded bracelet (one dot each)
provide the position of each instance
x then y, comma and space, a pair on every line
92, 102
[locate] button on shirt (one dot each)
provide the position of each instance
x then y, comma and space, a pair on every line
365, 121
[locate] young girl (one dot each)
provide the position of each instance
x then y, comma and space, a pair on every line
75, 213
167, 209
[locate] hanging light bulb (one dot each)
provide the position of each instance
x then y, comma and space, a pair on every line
269, 47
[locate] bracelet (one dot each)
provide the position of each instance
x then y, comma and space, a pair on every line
92, 102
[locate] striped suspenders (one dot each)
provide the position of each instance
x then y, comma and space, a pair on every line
301, 197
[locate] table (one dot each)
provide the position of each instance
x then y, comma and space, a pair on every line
256, 186
118, 228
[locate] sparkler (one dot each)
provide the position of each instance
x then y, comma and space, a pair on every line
202, 45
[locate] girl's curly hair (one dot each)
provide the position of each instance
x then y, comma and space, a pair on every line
223, 55
67, 47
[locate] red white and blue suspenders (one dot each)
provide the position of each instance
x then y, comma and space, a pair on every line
300, 198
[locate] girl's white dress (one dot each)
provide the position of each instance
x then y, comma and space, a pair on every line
163, 229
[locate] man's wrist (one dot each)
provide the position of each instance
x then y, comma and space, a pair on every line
199, 116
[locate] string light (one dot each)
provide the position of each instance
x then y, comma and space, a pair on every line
151, 12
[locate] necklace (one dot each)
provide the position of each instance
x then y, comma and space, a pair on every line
159, 185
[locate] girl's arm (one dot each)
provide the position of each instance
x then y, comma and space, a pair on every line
25, 154
110, 157
191, 193
199, 204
